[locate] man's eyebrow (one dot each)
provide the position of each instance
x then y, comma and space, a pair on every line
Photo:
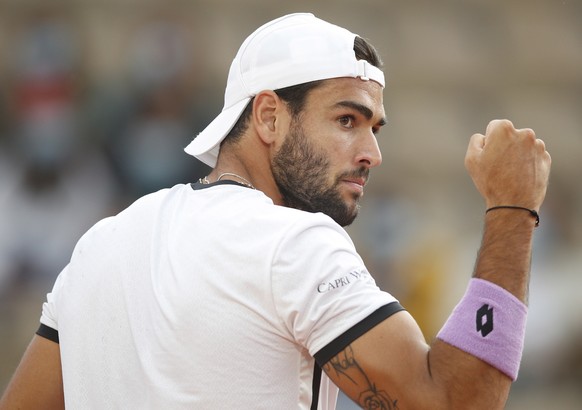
362, 109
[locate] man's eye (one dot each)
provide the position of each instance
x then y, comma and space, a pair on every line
346, 121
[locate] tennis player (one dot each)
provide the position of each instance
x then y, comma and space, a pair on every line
243, 291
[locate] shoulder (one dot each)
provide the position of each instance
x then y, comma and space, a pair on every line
296, 232
134, 218
297, 220
317, 226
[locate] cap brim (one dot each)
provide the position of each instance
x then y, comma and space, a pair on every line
206, 145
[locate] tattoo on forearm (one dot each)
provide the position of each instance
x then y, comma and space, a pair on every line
370, 397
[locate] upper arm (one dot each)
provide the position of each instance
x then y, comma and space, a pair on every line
382, 365
392, 367
37, 382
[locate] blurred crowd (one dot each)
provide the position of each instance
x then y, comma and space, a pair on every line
72, 153
77, 145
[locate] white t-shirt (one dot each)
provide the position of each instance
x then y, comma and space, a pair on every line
209, 296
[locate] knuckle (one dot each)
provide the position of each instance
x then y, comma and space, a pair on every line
500, 126
505, 125
529, 134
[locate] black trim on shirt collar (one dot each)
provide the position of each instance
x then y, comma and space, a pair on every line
199, 185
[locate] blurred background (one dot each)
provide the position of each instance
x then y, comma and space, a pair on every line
97, 100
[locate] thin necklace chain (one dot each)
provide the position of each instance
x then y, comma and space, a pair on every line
245, 183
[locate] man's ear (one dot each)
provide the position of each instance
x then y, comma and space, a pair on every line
269, 116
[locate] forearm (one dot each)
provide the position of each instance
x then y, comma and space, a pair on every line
506, 249
504, 259
464, 382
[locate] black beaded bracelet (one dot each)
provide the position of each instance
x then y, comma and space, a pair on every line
533, 212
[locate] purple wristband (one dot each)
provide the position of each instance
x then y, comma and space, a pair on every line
489, 323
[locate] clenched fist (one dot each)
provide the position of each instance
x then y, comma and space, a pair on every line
509, 166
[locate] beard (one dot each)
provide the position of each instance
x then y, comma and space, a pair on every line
301, 173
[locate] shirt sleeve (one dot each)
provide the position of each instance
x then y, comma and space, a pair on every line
49, 316
322, 288
50, 309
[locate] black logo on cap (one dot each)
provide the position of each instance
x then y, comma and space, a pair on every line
485, 320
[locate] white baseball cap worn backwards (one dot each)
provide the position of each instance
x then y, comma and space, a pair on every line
291, 50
